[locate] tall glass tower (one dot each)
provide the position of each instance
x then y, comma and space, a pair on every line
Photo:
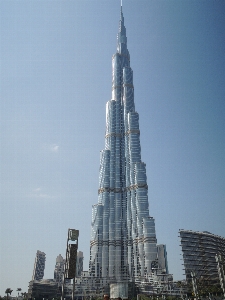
123, 239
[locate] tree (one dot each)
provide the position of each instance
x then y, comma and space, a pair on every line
18, 290
24, 295
8, 291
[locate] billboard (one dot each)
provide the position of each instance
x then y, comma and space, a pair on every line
71, 259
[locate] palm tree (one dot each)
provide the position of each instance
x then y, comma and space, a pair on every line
8, 291
18, 290
24, 295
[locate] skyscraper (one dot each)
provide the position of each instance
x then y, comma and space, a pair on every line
162, 258
79, 264
59, 270
123, 239
39, 266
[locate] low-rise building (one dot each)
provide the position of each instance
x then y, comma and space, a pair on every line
45, 288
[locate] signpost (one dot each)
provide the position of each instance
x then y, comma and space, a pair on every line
71, 259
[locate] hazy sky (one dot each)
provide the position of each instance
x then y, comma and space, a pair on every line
55, 82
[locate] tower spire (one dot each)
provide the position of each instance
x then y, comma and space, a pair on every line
121, 10
121, 37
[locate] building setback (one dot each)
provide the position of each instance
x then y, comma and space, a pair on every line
123, 239
199, 251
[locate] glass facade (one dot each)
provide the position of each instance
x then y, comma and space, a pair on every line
123, 239
199, 254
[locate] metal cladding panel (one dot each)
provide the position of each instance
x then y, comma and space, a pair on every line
71, 261
104, 174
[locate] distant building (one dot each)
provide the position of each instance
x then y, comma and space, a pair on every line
162, 259
39, 266
199, 251
59, 270
79, 264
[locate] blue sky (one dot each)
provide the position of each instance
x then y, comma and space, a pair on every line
55, 82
